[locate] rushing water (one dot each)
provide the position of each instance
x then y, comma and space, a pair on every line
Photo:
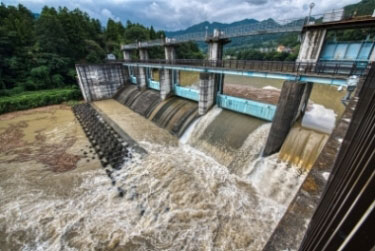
208, 190
174, 114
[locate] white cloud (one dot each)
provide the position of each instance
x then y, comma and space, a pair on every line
178, 14
108, 14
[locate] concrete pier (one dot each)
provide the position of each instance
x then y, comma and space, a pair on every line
166, 78
292, 103
126, 54
142, 71
207, 92
209, 82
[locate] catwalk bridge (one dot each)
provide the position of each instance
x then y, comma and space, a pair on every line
332, 73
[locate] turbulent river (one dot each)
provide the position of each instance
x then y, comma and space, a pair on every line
204, 189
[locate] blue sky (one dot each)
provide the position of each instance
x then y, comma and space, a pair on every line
179, 14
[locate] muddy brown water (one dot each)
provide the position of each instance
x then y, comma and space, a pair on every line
191, 193
326, 95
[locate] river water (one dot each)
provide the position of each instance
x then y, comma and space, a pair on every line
210, 189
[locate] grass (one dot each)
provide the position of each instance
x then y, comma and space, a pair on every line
33, 99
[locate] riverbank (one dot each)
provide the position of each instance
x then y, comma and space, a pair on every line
33, 99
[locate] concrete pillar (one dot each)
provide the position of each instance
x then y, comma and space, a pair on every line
207, 92
215, 46
165, 83
311, 46
142, 77
170, 52
166, 80
209, 82
127, 55
292, 103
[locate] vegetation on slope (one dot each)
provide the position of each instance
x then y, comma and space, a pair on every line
363, 8
34, 99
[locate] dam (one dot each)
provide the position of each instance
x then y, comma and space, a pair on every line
237, 159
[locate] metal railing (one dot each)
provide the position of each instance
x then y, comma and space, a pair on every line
320, 68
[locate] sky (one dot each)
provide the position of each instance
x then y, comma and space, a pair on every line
173, 15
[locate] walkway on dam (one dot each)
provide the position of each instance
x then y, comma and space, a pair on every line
321, 72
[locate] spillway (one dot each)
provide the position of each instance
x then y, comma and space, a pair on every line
175, 114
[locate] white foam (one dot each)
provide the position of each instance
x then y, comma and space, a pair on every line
187, 134
319, 118
325, 175
269, 87
203, 123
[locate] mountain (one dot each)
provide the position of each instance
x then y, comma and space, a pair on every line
267, 40
364, 7
201, 27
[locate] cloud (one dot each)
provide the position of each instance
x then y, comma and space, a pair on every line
180, 14
108, 14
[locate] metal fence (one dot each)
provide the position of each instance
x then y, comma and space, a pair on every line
320, 68
345, 216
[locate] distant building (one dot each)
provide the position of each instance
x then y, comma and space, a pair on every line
111, 56
265, 49
282, 48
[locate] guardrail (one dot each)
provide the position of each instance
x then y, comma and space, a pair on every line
342, 69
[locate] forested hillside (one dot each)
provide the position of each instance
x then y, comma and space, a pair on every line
40, 52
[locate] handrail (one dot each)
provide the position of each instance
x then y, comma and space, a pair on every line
299, 68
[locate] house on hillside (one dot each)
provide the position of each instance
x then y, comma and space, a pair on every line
282, 48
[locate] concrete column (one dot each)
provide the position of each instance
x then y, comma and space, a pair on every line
292, 103
165, 83
207, 92
215, 47
170, 52
209, 82
311, 46
142, 77
166, 80
127, 54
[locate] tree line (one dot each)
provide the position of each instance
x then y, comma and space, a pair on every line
40, 52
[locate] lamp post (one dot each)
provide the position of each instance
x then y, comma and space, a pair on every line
311, 6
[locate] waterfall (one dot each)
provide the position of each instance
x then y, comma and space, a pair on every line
221, 134
302, 147
175, 115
